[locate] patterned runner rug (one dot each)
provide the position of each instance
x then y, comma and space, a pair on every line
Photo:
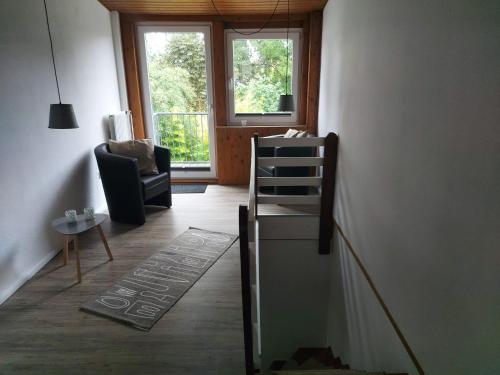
142, 296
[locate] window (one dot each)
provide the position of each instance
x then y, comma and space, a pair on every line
256, 71
176, 79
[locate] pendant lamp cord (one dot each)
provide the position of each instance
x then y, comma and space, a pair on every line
52, 50
287, 44
246, 32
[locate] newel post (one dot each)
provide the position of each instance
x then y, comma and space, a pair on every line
328, 193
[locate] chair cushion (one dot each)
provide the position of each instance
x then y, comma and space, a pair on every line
141, 149
154, 185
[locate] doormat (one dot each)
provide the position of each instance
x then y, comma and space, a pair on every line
185, 189
143, 295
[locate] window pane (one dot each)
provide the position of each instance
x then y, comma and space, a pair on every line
259, 74
177, 73
176, 66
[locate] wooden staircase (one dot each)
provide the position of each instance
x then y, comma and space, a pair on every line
328, 372
282, 242
316, 361
284, 273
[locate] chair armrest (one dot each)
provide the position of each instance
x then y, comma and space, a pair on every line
117, 166
119, 174
162, 157
122, 186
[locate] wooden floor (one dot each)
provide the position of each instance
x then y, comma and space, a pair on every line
42, 330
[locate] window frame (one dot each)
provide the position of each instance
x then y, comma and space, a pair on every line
274, 118
142, 28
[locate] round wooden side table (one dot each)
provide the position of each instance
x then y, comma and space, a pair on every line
71, 230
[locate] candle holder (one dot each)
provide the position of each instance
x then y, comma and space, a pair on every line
89, 213
71, 215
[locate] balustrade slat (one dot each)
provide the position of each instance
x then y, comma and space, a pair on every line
290, 162
291, 142
289, 181
289, 199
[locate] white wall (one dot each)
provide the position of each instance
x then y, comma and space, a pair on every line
413, 89
45, 171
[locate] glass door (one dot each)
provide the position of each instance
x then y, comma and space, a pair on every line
176, 77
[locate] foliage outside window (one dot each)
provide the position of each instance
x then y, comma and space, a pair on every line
257, 75
178, 89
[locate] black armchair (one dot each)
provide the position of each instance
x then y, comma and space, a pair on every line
126, 191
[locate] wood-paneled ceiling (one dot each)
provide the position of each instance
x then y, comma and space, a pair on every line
205, 7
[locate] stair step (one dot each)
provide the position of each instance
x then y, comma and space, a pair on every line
314, 364
325, 372
277, 364
316, 361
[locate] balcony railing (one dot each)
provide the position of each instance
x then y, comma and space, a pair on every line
186, 135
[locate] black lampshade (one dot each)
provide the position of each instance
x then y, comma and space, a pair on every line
286, 103
62, 116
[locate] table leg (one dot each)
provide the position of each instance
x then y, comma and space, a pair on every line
66, 249
77, 252
103, 239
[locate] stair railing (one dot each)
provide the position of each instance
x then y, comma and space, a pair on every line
387, 312
246, 296
327, 222
325, 184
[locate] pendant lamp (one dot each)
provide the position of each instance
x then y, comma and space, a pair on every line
62, 116
286, 103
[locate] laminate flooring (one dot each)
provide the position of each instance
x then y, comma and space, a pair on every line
42, 330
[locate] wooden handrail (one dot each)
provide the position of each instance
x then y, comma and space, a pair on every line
401, 337
246, 297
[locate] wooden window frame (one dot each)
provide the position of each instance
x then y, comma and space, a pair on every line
233, 142
275, 118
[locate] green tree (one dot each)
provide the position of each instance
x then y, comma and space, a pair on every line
259, 73
170, 87
177, 81
187, 51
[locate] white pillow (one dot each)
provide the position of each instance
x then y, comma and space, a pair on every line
291, 133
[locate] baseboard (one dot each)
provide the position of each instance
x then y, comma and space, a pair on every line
5, 295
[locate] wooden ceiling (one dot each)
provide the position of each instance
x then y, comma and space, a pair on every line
205, 7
